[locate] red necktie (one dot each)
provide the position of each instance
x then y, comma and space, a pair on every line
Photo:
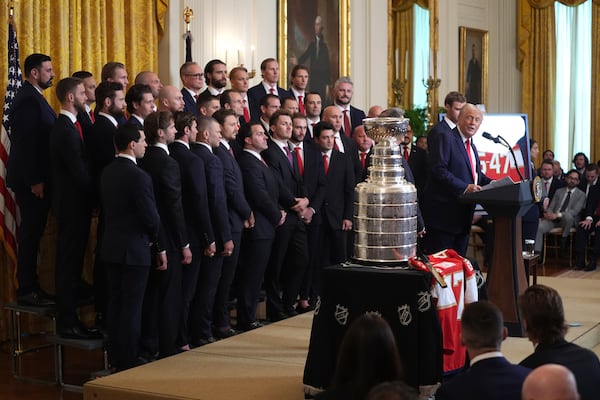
363, 159
92, 117
326, 163
78, 126
468, 147
347, 125
299, 159
301, 105
246, 112
405, 155
271, 90
335, 145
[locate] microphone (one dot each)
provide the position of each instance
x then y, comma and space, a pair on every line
488, 136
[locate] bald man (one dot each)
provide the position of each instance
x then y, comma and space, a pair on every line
374, 111
550, 382
170, 99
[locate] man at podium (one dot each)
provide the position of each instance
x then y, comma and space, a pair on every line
454, 170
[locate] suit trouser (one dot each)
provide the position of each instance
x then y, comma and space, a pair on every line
220, 313
189, 283
73, 233
126, 285
581, 239
287, 263
308, 290
100, 272
34, 215
201, 311
545, 226
253, 263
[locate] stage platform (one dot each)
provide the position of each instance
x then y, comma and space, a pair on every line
268, 363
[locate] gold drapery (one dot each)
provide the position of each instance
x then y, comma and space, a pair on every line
537, 63
77, 34
402, 44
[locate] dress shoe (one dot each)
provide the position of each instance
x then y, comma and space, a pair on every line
79, 332
204, 341
252, 326
224, 334
591, 266
277, 316
302, 310
35, 298
291, 312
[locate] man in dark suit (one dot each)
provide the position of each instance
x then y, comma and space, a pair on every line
335, 117
240, 217
338, 205
316, 56
266, 195
453, 103
269, 69
298, 85
282, 285
490, 375
549, 184
28, 170
71, 204
215, 73
209, 134
140, 104
589, 178
132, 224
269, 105
197, 218
192, 77
314, 106
362, 161
162, 305
110, 100
86, 118
115, 72
542, 310
454, 170
310, 168
343, 89
588, 225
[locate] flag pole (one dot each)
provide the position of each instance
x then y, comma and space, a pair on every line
188, 15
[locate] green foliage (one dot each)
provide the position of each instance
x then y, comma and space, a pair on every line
418, 120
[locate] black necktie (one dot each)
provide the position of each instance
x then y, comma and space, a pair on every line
566, 202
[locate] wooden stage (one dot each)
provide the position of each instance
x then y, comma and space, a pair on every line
268, 363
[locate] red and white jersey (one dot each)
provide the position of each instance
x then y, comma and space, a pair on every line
450, 301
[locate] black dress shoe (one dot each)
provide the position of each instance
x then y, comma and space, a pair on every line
591, 266
36, 299
277, 316
219, 334
252, 326
79, 332
291, 312
204, 341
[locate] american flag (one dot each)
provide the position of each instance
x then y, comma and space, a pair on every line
8, 208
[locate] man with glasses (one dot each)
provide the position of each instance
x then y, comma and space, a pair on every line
192, 76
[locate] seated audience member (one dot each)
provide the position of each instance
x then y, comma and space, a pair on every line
368, 355
558, 171
548, 155
549, 183
490, 376
550, 382
590, 178
562, 212
580, 163
396, 390
542, 310
590, 223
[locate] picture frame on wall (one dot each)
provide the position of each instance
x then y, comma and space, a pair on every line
473, 64
314, 33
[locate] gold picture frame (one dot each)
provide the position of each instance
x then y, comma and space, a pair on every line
473, 64
297, 24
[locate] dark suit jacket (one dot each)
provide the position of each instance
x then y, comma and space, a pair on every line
135, 122
166, 179
418, 162
100, 147
217, 198
314, 179
278, 161
31, 121
449, 175
71, 176
356, 118
190, 103
339, 200
591, 203
194, 195
256, 93
86, 123
582, 362
265, 193
130, 214
436, 131
490, 379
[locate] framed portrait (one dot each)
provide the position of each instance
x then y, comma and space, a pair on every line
473, 68
314, 33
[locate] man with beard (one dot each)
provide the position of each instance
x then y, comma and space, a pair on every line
110, 101
342, 95
71, 204
87, 117
215, 74
31, 120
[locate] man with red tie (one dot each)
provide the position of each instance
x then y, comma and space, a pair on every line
313, 106
71, 204
269, 68
454, 169
343, 89
298, 86
238, 77
87, 118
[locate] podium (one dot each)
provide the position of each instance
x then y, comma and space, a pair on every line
506, 201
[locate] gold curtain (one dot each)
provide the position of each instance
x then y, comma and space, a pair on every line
402, 42
77, 34
537, 63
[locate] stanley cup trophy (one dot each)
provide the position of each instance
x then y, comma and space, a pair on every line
385, 205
